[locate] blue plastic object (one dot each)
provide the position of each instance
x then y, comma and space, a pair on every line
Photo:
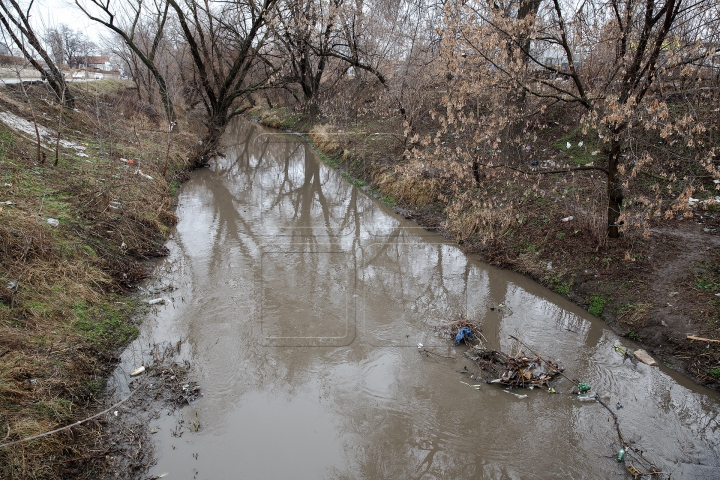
464, 332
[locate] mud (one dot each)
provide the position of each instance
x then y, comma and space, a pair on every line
301, 304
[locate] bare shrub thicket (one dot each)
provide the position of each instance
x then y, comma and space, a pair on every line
634, 85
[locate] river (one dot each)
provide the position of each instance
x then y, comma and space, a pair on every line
301, 302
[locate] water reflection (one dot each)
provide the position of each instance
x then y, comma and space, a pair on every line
302, 301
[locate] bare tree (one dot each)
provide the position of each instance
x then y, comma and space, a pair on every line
68, 45
226, 46
141, 25
304, 32
16, 22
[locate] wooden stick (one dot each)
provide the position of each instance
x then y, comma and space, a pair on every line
692, 337
76, 423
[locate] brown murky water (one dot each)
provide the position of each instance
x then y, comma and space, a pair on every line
302, 301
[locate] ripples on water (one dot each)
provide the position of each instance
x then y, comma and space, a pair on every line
301, 302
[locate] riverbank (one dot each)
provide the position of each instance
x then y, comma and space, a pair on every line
78, 218
654, 287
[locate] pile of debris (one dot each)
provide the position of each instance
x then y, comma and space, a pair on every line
515, 370
462, 330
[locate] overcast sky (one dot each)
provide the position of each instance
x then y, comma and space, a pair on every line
49, 13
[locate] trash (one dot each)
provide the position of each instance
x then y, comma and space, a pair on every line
621, 455
595, 152
153, 430
137, 371
549, 265
644, 357
115, 413
516, 394
476, 387
11, 284
464, 332
567, 219
569, 145
619, 406
634, 471
580, 144
551, 390
693, 201
518, 371
139, 172
8, 185
619, 348
53, 221
716, 181
8, 202
420, 345
534, 164
587, 397
156, 301
128, 161
584, 387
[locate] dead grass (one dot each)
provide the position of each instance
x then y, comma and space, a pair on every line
325, 139
61, 320
403, 188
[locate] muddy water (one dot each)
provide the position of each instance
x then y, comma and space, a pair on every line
301, 302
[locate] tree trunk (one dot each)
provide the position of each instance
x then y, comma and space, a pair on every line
614, 190
215, 128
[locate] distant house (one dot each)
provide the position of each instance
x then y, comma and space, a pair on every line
100, 62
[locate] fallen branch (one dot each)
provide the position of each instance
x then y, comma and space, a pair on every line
73, 424
628, 448
702, 339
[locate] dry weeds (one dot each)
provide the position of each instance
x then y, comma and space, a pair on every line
61, 320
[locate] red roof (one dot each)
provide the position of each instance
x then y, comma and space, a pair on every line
91, 59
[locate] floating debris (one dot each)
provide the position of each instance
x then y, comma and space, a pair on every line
464, 333
515, 394
463, 329
518, 371
476, 387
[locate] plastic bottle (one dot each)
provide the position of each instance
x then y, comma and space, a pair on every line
621, 455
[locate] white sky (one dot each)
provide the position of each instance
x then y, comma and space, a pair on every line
50, 13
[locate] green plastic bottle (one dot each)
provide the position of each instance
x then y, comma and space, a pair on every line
621, 455
583, 387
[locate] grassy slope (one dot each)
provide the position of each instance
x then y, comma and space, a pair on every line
63, 315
